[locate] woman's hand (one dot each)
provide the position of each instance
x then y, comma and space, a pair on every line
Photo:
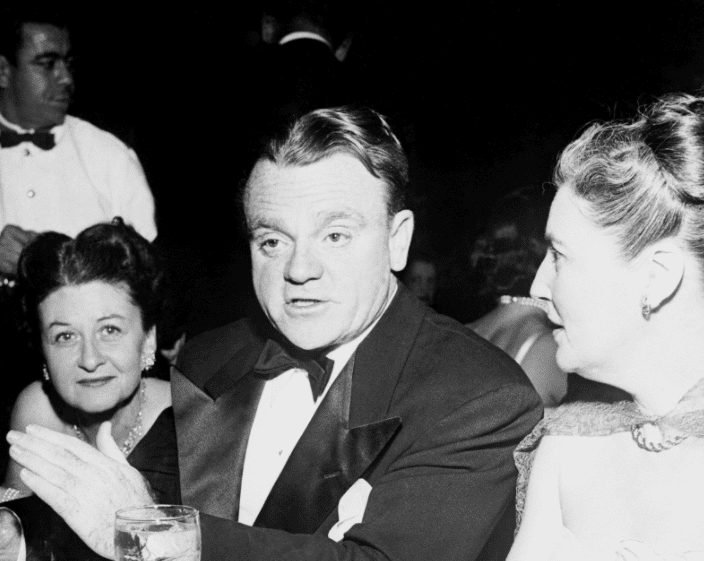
83, 485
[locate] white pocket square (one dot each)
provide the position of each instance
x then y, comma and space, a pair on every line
350, 509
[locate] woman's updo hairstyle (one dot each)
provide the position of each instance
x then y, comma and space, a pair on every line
113, 253
644, 178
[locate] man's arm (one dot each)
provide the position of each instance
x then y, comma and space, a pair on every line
13, 240
440, 499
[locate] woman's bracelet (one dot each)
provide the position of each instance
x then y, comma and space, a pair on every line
10, 494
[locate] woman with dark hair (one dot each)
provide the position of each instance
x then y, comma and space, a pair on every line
624, 286
93, 303
505, 258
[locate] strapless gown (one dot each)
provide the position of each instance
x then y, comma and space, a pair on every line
569, 549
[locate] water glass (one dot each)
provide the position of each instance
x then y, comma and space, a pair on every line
157, 533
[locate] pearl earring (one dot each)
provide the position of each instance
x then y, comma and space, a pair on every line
45, 373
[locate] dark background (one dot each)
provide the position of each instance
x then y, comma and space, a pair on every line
483, 97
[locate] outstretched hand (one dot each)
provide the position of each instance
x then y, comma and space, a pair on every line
83, 485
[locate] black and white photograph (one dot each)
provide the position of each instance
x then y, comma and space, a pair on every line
313, 280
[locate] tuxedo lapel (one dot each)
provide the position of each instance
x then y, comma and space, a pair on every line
347, 433
327, 460
214, 425
381, 357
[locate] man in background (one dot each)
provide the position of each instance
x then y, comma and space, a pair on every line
57, 172
420, 276
302, 69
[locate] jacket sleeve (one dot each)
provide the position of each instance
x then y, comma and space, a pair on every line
441, 499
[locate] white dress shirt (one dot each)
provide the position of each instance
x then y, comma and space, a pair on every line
284, 411
90, 176
293, 36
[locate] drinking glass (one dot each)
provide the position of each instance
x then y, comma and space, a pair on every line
157, 533
12, 546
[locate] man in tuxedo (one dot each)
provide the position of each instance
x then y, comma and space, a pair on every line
302, 65
352, 421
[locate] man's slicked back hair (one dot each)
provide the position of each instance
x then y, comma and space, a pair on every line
359, 132
13, 19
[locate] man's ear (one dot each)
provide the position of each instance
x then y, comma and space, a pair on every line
400, 239
5, 72
665, 266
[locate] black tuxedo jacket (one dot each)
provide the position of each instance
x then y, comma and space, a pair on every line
427, 413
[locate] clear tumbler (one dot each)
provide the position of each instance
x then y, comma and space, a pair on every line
157, 533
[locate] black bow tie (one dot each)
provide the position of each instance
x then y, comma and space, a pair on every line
275, 360
42, 139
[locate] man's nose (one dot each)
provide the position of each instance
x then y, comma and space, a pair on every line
303, 265
542, 281
64, 74
91, 356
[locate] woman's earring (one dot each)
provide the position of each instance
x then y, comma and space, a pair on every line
147, 359
645, 308
45, 373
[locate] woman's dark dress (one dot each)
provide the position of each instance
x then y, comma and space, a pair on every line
155, 456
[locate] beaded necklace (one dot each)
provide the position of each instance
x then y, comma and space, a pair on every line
135, 432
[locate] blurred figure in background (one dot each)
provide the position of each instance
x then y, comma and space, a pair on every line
301, 66
421, 277
507, 256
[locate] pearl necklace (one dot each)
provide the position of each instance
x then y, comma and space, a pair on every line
524, 301
135, 432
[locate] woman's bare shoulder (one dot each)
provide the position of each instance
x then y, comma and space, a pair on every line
158, 398
33, 407
158, 392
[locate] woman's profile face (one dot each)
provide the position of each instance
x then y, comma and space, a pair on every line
594, 293
93, 339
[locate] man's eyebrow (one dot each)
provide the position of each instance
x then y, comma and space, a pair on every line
327, 217
53, 55
267, 222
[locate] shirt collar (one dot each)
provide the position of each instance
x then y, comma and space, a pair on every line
57, 130
303, 35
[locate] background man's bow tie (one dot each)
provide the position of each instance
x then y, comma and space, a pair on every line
275, 360
42, 139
